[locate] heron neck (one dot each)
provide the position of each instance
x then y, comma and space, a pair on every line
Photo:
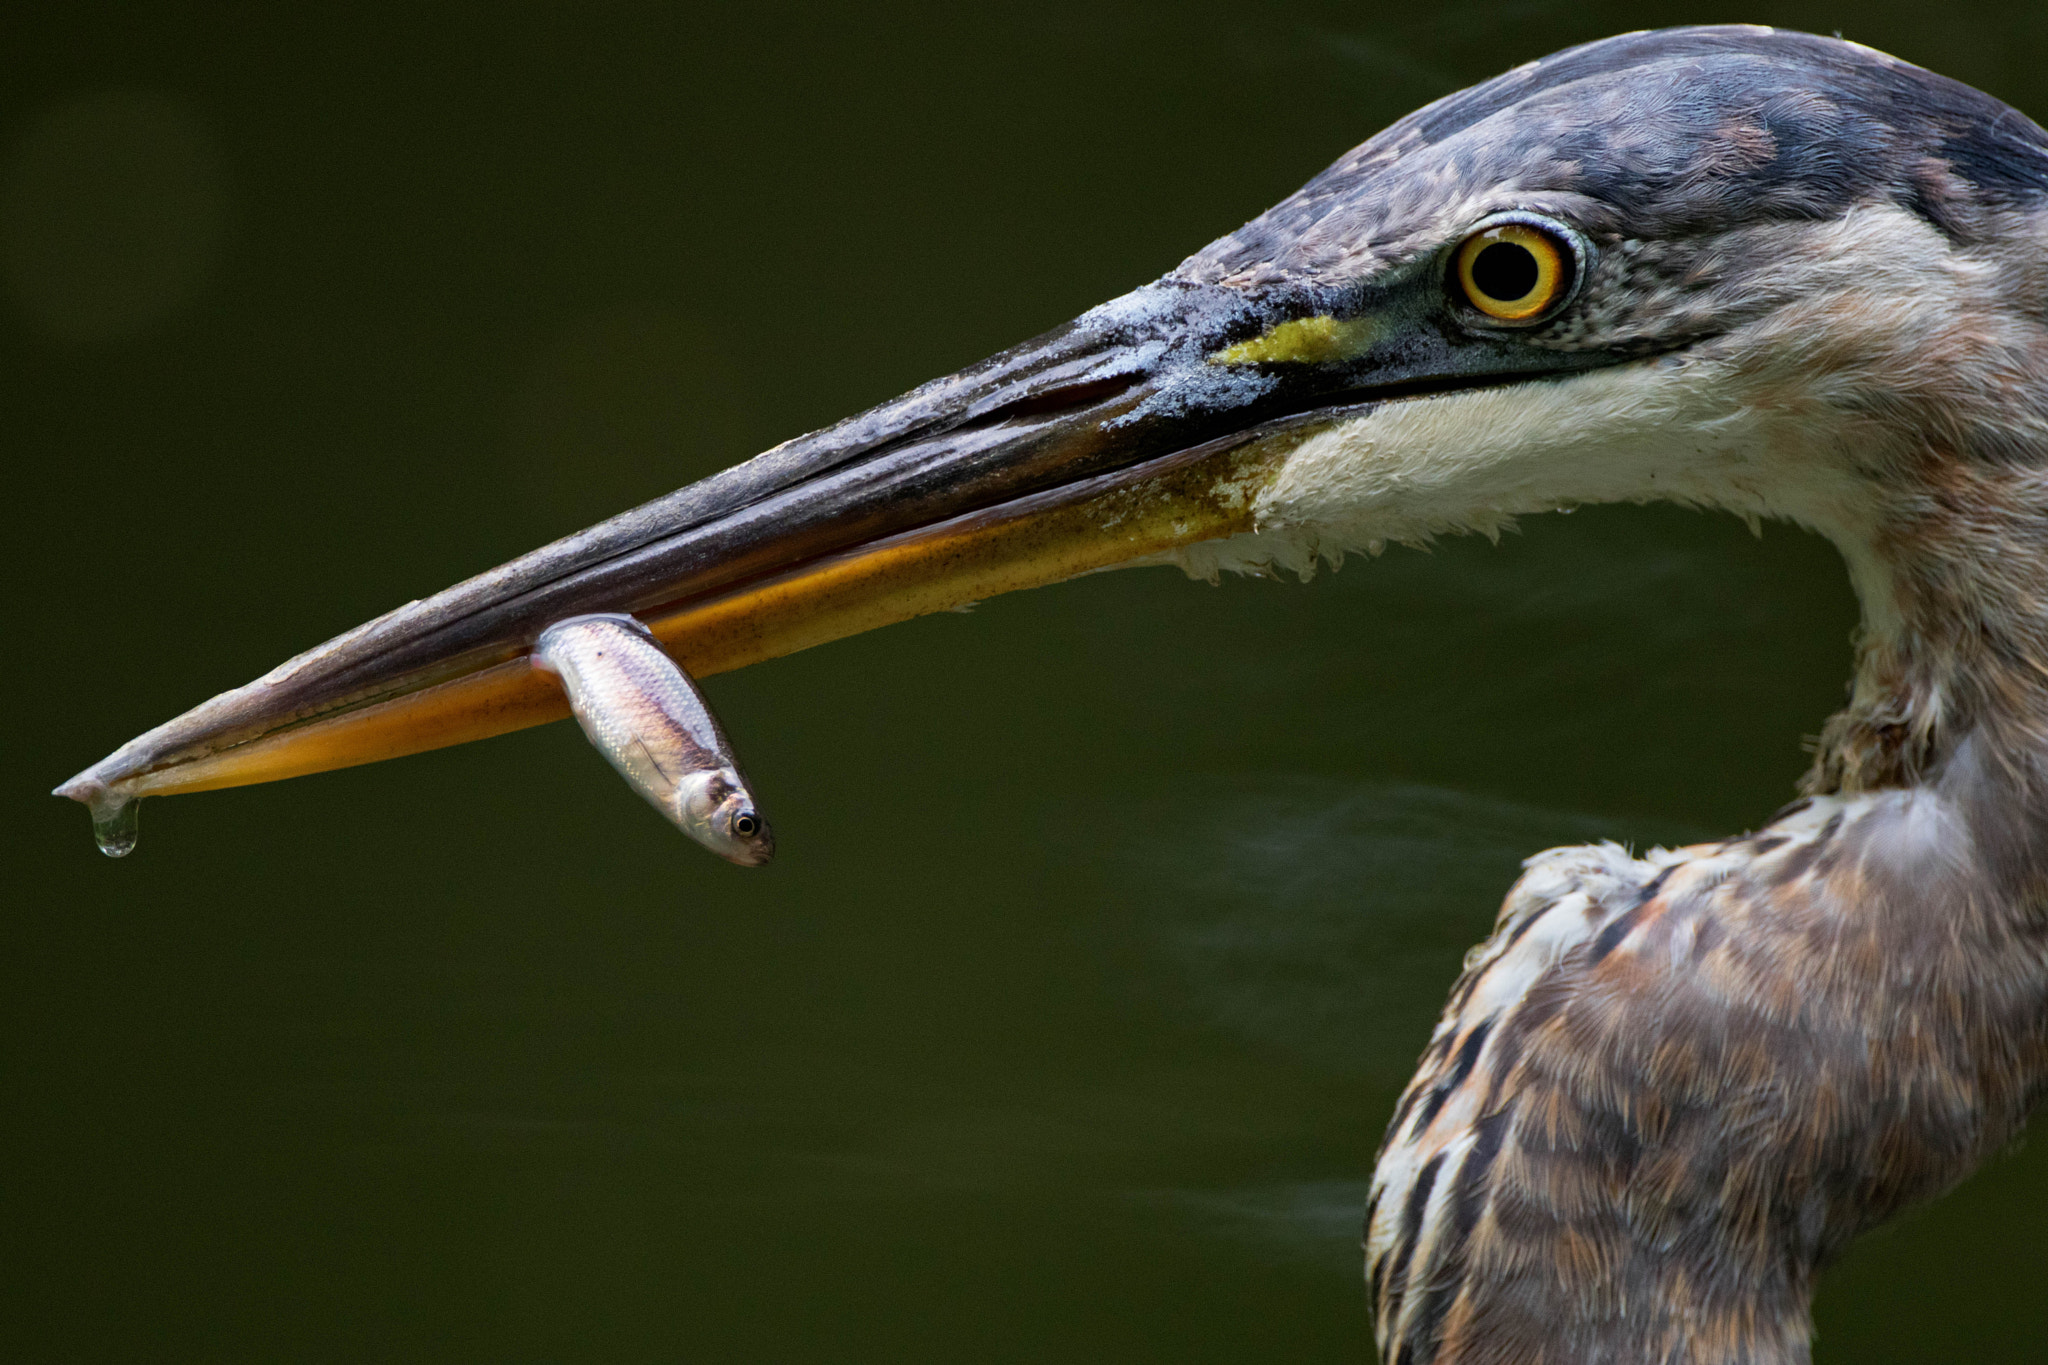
1954, 640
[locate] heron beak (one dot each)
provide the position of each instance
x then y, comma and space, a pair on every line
1113, 439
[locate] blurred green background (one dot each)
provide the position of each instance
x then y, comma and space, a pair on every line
1108, 919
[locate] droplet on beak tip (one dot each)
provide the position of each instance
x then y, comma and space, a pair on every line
114, 824
113, 812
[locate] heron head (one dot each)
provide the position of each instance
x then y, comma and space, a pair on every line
1778, 274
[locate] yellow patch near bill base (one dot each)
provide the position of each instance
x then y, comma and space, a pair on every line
1308, 341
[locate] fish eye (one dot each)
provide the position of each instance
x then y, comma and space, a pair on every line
746, 824
1515, 270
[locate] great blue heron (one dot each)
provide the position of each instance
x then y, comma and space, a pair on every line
1731, 267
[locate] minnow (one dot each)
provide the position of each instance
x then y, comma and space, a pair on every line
646, 716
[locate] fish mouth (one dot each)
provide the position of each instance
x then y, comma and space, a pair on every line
1143, 427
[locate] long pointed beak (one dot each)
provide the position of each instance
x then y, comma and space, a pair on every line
1112, 439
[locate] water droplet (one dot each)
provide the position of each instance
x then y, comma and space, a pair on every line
114, 827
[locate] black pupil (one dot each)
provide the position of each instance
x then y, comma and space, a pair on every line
1505, 271
743, 824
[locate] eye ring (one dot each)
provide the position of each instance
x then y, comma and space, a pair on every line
1517, 269
746, 824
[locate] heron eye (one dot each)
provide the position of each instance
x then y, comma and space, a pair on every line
1513, 272
745, 824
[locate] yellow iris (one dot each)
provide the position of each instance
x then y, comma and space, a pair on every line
1513, 271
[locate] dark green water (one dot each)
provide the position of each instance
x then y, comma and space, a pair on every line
1108, 919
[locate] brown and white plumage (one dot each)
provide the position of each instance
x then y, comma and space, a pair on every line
1668, 1090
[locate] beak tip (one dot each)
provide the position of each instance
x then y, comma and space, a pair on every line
112, 808
81, 788
103, 784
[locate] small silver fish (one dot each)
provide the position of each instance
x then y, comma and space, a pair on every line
645, 715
